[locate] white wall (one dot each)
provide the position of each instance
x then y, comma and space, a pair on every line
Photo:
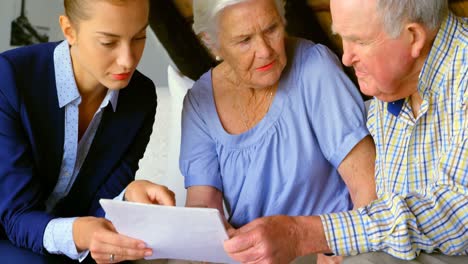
46, 12
39, 13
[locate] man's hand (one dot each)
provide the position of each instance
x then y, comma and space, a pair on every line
271, 239
99, 236
143, 191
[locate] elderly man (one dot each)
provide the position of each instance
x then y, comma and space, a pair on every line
412, 56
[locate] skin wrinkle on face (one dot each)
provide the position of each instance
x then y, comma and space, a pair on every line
384, 66
251, 37
106, 44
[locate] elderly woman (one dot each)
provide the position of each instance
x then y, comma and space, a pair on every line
276, 127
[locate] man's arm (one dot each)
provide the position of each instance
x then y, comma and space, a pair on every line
434, 218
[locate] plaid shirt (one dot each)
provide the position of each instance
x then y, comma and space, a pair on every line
421, 166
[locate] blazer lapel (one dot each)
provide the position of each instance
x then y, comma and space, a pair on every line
112, 139
44, 123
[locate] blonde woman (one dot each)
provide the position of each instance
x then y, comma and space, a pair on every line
75, 118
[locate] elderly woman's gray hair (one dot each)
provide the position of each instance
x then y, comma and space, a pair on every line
206, 13
395, 13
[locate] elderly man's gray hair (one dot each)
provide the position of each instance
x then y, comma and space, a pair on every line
395, 13
206, 13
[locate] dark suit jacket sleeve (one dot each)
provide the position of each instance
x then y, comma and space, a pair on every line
22, 212
125, 171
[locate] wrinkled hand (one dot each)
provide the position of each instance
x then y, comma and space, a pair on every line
143, 191
99, 236
322, 259
271, 239
230, 230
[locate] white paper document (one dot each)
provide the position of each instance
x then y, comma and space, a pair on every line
172, 232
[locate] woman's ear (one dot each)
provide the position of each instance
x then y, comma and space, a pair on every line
418, 36
68, 30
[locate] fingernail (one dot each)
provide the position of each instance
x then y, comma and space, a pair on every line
148, 253
141, 245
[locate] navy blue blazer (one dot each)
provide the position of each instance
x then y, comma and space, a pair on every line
31, 145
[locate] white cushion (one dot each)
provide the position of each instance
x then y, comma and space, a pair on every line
161, 161
178, 87
153, 165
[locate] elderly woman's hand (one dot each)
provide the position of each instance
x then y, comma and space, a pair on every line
278, 239
143, 191
265, 240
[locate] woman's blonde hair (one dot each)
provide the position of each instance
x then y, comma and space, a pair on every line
78, 10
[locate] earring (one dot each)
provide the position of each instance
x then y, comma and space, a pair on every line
218, 58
